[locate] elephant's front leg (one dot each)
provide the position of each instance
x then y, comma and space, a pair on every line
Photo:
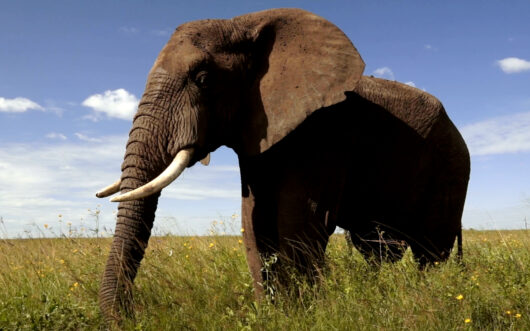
284, 230
253, 238
305, 223
259, 226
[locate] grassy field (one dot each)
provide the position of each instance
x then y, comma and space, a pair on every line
202, 283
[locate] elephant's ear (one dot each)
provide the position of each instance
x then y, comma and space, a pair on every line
308, 64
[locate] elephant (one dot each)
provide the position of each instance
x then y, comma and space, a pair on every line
319, 146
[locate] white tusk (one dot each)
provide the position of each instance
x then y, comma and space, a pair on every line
206, 160
177, 166
109, 190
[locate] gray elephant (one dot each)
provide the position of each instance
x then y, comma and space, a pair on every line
319, 146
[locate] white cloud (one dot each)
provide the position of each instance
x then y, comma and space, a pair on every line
501, 135
162, 32
94, 117
498, 218
384, 72
410, 84
129, 29
430, 47
55, 135
191, 192
118, 104
56, 110
41, 181
18, 105
83, 137
55, 107
511, 65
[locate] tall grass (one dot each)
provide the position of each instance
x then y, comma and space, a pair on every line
202, 283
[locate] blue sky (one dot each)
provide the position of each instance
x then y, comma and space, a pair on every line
71, 74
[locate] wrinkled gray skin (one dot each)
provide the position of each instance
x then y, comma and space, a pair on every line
319, 146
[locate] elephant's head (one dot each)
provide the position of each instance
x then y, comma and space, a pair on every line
244, 83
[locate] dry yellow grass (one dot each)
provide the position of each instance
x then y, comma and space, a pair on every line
203, 283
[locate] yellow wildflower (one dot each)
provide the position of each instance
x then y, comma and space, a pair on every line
240, 241
211, 245
508, 312
459, 297
467, 320
517, 315
242, 230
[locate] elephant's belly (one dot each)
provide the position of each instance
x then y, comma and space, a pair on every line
387, 194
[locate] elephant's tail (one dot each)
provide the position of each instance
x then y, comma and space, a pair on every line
460, 253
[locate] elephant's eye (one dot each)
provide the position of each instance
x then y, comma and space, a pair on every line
201, 79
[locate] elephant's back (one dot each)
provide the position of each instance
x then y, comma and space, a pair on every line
423, 113
417, 109
450, 148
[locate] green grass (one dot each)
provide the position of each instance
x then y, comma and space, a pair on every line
202, 283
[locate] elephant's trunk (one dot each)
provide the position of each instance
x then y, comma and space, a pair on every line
133, 229
142, 162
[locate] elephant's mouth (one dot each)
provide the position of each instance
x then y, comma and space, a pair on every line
181, 161
199, 155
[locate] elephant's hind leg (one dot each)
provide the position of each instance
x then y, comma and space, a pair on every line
441, 222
